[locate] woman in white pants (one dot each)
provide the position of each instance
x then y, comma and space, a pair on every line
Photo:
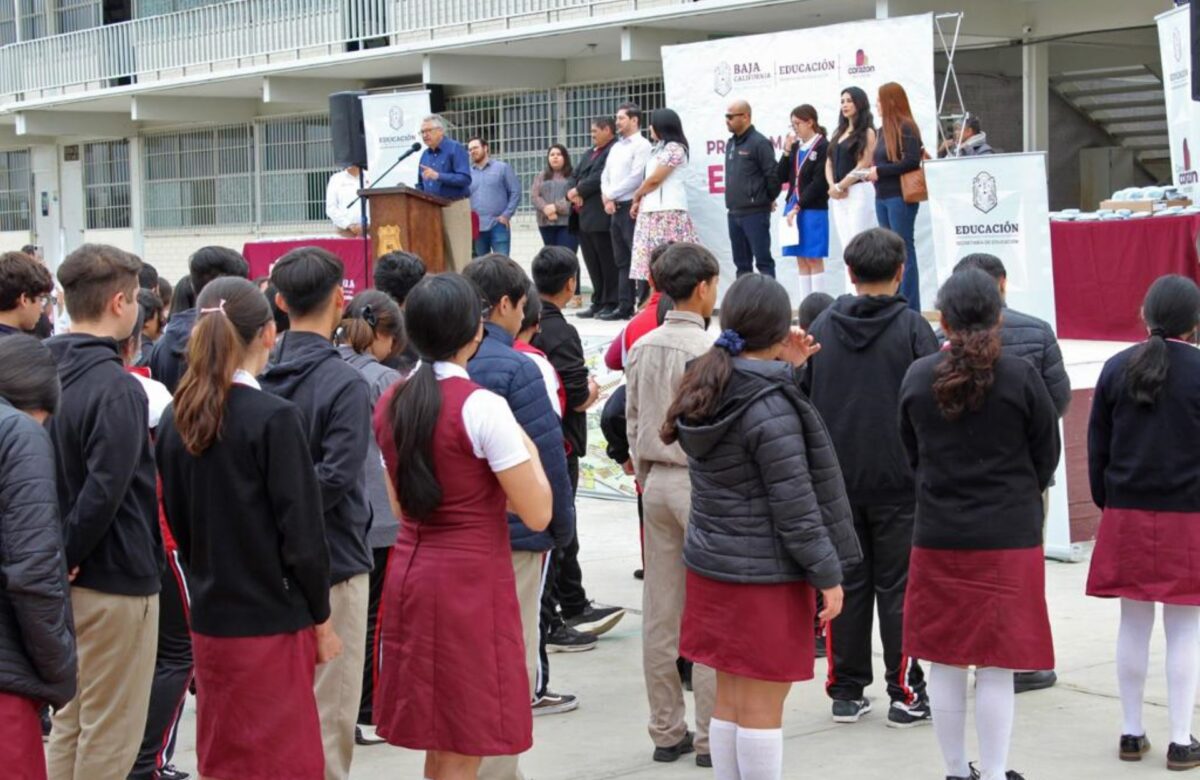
851, 196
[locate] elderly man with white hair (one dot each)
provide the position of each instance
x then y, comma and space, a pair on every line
445, 171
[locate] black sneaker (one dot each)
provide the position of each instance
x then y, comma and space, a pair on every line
565, 639
850, 710
1133, 748
550, 703
368, 737
1011, 775
596, 620
665, 755
171, 772
905, 716
704, 760
1023, 682
1182, 757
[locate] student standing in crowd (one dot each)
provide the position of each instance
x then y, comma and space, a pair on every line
872, 335
981, 434
495, 195
452, 680
593, 223
1143, 466
243, 504
851, 152
165, 293
396, 273
660, 205
37, 641
335, 403
688, 273
154, 320
370, 334
803, 168
769, 523
107, 497
25, 285
624, 171
549, 195
900, 153
531, 323
751, 187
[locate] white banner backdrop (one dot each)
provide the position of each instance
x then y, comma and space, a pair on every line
392, 122
1175, 43
775, 73
999, 204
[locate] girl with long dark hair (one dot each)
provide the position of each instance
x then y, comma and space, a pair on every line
452, 679
549, 195
851, 150
900, 153
807, 208
982, 437
241, 498
770, 523
660, 204
1145, 476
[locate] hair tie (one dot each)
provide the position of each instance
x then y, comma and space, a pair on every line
368, 316
220, 307
732, 342
1160, 332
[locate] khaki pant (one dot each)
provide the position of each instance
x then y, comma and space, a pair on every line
667, 502
338, 684
97, 735
456, 231
530, 569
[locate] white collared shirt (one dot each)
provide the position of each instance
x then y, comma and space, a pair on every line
243, 377
494, 433
625, 168
341, 191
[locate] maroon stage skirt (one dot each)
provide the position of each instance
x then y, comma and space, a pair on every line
978, 608
21, 738
1147, 556
764, 632
256, 715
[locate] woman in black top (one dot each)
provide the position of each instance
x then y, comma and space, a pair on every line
1145, 474
851, 200
899, 154
240, 495
803, 168
982, 436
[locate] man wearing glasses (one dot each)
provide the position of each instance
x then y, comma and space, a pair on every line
446, 172
751, 187
25, 288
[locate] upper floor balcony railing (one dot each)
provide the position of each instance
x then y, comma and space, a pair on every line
230, 36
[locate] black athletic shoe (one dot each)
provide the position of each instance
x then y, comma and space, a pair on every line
550, 703
596, 620
171, 772
368, 737
1133, 748
1182, 757
1011, 775
905, 716
850, 710
665, 755
704, 760
1023, 682
565, 639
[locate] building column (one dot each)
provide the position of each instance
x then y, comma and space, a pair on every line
1035, 92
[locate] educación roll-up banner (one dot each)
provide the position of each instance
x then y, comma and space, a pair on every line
775, 73
1175, 43
392, 122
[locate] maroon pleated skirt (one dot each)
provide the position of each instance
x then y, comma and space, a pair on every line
256, 715
1147, 556
21, 739
978, 608
764, 632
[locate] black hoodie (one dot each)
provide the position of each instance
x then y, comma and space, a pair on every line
867, 344
335, 402
168, 360
106, 478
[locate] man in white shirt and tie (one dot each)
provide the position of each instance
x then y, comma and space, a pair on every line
340, 193
623, 174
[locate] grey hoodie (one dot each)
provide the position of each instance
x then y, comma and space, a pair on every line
379, 378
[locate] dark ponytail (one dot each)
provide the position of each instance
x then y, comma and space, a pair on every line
442, 315
1171, 309
756, 314
970, 305
371, 313
807, 113
233, 312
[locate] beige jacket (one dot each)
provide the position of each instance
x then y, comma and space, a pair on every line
653, 372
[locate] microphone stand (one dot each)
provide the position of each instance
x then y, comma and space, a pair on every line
362, 210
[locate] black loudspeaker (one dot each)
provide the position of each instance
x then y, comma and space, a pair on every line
1194, 30
346, 129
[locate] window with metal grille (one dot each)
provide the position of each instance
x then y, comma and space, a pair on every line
200, 177
581, 103
8, 24
74, 15
144, 8
106, 184
295, 161
32, 16
14, 190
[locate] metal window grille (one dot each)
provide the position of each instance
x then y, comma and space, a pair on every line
295, 161
106, 184
75, 15
584, 102
8, 24
14, 190
144, 8
200, 177
33, 16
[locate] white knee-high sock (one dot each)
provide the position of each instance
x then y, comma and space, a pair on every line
806, 286
1133, 661
995, 702
760, 753
722, 743
1183, 668
818, 281
948, 701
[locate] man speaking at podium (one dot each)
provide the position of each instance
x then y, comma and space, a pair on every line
341, 202
445, 171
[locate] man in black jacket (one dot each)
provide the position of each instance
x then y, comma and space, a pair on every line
106, 494
751, 187
592, 222
868, 341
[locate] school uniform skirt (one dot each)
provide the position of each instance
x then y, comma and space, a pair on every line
812, 239
764, 632
21, 738
256, 714
978, 608
1147, 556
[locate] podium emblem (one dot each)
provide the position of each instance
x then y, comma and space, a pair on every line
389, 240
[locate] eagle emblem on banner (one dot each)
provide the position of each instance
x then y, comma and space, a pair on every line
723, 79
983, 192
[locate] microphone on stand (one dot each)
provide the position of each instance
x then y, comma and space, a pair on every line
411, 151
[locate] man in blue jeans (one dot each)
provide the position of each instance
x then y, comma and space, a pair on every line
751, 187
495, 195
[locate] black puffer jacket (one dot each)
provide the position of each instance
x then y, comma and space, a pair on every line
37, 635
768, 503
1031, 339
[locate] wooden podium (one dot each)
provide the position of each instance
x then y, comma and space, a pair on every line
407, 219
